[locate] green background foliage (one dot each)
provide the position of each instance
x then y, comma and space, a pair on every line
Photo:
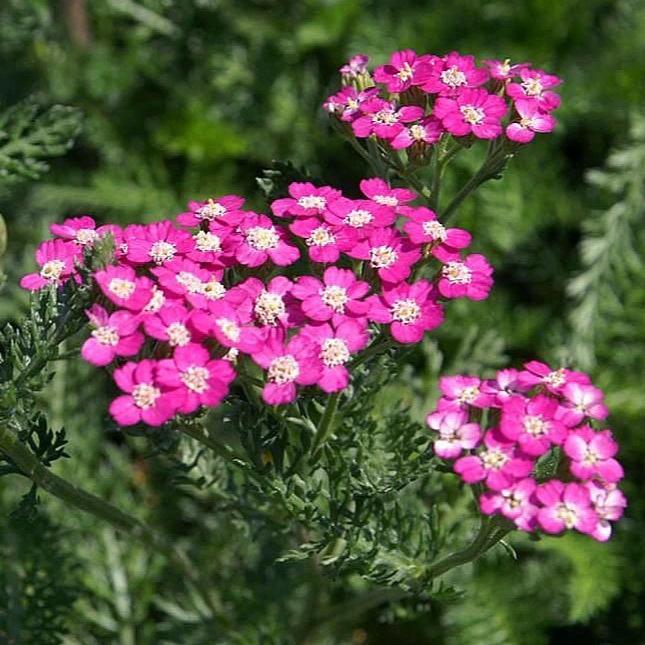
187, 99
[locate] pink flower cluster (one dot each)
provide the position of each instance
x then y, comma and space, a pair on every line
415, 99
532, 414
300, 291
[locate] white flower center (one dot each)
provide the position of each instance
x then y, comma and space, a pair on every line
511, 500
283, 369
385, 200
313, 201
86, 236
527, 121
156, 301
231, 355
468, 394
405, 72
405, 311
229, 328
358, 218
145, 395
162, 251
213, 290
106, 335
121, 288
269, 307
210, 210
52, 270
591, 457
435, 230
383, 257
178, 334
457, 273
556, 378
566, 514
385, 117
335, 297
320, 236
352, 104
190, 281
472, 114
195, 378
493, 459
205, 241
453, 77
417, 132
532, 86
535, 426
262, 238
334, 352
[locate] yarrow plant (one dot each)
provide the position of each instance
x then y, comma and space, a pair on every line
288, 312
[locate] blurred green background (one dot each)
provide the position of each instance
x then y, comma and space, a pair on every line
187, 99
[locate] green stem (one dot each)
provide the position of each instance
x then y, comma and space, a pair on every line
34, 470
489, 534
202, 436
326, 423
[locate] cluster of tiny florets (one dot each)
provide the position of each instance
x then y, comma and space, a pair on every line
535, 417
199, 295
413, 100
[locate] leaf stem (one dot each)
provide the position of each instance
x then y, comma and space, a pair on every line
326, 423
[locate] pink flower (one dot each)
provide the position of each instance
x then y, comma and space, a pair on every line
461, 391
504, 70
359, 216
229, 324
113, 335
335, 349
381, 193
355, 66
81, 230
337, 296
216, 246
427, 131
609, 504
532, 423
199, 379
453, 73
121, 285
156, 243
56, 259
514, 502
410, 309
468, 278
404, 70
388, 253
272, 304
582, 400
455, 433
306, 200
261, 240
295, 363
536, 86
592, 455
226, 209
346, 104
503, 386
181, 276
383, 119
325, 242
532, 120
565, 506
423, 227
171, 324
499, 464
144, 400
536, 373
471, 111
